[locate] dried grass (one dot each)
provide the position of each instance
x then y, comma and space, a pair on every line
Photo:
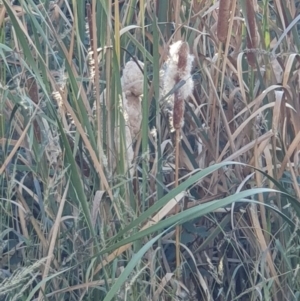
229, 88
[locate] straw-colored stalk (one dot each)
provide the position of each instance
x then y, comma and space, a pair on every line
178, 77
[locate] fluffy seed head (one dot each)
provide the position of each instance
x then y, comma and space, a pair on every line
179, 67
133, 78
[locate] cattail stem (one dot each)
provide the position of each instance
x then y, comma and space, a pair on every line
178, 113
178, 227
178, 77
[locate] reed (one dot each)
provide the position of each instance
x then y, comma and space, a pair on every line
107, 125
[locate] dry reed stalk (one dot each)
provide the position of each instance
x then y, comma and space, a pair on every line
176, 9
223, 20
55, 232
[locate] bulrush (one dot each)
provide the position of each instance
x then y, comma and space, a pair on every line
223, 20
132, 86
177, 78
130, 106
177, 87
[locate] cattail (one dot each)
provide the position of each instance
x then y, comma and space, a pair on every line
177, 77
251, 32
132, 85
178, 110
223, 20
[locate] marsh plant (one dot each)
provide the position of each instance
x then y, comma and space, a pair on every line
149, 150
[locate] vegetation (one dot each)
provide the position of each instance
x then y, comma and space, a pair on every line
90, 211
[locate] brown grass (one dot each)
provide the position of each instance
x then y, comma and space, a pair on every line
244, 108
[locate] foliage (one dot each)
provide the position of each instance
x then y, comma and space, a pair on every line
78, 221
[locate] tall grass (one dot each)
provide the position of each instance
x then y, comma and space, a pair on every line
89, 211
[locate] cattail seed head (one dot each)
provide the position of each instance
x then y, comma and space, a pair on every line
178, 73
178, 111
223, 20
252, 37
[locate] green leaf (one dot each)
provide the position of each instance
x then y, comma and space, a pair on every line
130, 266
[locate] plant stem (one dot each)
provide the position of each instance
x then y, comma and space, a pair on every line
178, 228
